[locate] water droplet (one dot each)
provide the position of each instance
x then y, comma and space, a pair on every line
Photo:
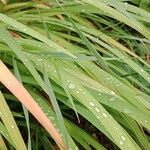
98, 117
145, 121
116, 128
8, 83
58, 50
91, 103
24, 29
83, 10
105, 115
97, 109
127, 111
71, 86
123, 138
40, 59
12, 126
36, 36
121, 142
108, 78
112, 93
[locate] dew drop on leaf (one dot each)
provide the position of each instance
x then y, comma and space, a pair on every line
97, 109
123, 138
105, 115
91, 103
112, 93
121, 142
71, 86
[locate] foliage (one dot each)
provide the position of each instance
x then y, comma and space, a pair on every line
78, 60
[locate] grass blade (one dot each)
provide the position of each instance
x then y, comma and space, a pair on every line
10, 124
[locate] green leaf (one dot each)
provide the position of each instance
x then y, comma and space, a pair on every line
10, 124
